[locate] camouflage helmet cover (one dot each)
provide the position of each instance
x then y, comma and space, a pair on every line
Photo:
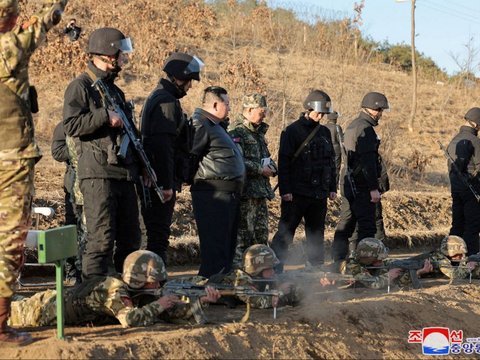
8, 7
141, 267
453, 245
255, 101
371, 248
257, 258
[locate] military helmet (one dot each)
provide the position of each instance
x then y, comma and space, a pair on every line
258, 258
371, 248
108, 41
375, 101
255, 101
318, 101
8, 8
453, 245
183, 66
473, 115
141, 267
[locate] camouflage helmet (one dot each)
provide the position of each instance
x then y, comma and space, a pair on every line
375, 101
257, 258
371, 248
318, 101
254, 101
8, 8
141, 267
183, 66
453, 245
473, 115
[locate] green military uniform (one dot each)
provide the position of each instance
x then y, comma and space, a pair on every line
374, 278
101, 299
253, 226
18, 150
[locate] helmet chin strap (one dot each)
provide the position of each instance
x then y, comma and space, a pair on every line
180, 88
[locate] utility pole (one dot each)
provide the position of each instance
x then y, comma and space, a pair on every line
414, 66
414, 71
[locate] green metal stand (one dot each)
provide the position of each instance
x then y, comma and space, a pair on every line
54, 246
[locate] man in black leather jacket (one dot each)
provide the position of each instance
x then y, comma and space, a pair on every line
219, 174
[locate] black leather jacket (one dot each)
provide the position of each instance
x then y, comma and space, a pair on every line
219, 161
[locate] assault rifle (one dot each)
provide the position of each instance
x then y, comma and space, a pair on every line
462, 176
195, 292
131, 133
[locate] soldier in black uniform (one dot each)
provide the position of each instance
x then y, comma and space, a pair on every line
106, 179
360, 176
464, 149
306, 177
337, 140
166, 140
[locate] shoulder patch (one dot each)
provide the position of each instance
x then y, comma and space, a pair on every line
236, 139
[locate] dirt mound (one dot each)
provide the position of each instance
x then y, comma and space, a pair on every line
349, 323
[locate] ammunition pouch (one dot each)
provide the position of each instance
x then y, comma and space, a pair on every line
33, 98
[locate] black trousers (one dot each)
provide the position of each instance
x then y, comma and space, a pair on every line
358, 211
313, 211
158, 219
111, 213
380, 226
217, 216
466, 219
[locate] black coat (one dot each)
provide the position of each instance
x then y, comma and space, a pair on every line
86, 120
166, 134
465, 151
312, 173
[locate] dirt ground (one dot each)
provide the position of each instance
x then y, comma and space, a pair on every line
331, 323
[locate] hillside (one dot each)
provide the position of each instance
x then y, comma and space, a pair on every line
254, 48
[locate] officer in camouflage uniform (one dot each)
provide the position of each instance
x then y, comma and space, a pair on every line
249, 134
450, 260
63, 150
18, 150
134, 300
258, 263
368, 267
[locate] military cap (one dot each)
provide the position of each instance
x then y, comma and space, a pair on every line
141, 267
255, 101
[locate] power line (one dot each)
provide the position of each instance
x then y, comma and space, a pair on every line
449, 11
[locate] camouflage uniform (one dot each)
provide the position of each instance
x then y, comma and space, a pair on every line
104, 299
18, 150
257, 258
253, 227
371, 248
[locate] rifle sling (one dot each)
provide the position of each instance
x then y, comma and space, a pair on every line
305, 142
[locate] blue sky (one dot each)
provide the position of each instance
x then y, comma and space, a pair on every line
443, 27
